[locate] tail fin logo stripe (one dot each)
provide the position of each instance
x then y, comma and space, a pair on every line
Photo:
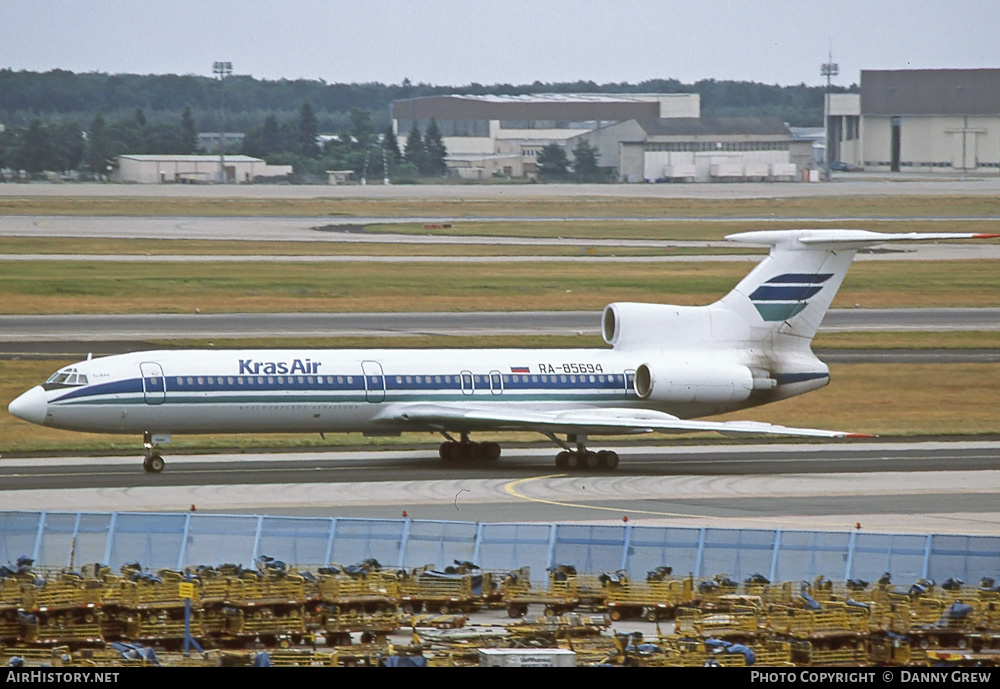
783, 296
800, 278
784, 292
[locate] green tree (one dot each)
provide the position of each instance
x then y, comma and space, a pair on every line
37, 148
434, 151
67, 144
391, 144
415, 153
98, 146
585, 160
362, 127
308, 130
189, 131
270, 135
552, 161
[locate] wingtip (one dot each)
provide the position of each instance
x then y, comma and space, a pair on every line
985, 236
860, 435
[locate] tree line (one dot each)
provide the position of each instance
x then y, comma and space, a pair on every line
63, 146
62, 121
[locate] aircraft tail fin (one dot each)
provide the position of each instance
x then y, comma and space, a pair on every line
790, 291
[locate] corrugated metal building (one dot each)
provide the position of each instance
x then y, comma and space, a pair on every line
695, 149
924, 120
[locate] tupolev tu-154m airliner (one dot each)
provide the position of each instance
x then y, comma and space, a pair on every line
666, 367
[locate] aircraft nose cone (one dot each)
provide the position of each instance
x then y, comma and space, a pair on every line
32, 406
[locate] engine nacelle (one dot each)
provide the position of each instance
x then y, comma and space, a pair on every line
625, 324
695, 382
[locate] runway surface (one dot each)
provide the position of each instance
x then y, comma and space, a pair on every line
350, 230
939, 487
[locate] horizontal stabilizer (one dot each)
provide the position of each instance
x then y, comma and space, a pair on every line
844, 239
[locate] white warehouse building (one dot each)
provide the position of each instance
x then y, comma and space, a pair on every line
193, 169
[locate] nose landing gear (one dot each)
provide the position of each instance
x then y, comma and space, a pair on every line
153, 462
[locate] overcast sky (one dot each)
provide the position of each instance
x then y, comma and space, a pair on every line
453, 42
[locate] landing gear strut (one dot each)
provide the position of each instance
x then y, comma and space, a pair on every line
153, 462
465, 451
582, 458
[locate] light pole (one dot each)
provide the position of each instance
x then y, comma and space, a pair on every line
827, 69
222, 70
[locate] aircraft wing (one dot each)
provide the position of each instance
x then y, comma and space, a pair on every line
597, 421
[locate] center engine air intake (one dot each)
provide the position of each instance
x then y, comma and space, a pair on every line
693, 383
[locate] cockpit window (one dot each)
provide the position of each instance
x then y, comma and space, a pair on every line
66, 377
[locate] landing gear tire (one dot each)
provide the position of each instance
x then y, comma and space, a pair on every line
562, 460
153, 464
608, 460
590, 460
452, 451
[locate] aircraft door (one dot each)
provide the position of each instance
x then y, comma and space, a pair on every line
468, 384
154, 385
496, 383
374, 381
629, 377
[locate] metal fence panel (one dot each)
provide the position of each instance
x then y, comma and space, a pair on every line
93, 532
903, 556
18, 534
217, 539
589, 548
736, 552
55, 544
152, 540
650, 547
440, 543
963, 557
805, 555
509, 546
355, 540
300, 540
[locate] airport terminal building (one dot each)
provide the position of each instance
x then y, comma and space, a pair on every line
928, 120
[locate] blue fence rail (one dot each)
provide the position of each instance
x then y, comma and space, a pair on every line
179, 540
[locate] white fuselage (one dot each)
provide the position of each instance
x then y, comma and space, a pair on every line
238, 391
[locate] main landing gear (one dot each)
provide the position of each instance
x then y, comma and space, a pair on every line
582, 458
153, 462
572, 457
466, 451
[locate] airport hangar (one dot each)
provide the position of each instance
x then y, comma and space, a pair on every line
921, 120
643, 137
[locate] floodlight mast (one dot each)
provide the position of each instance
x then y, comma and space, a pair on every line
827, 69
222, 70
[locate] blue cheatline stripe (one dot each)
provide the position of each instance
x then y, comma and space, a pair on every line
114, 388
290, 390
784, 292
